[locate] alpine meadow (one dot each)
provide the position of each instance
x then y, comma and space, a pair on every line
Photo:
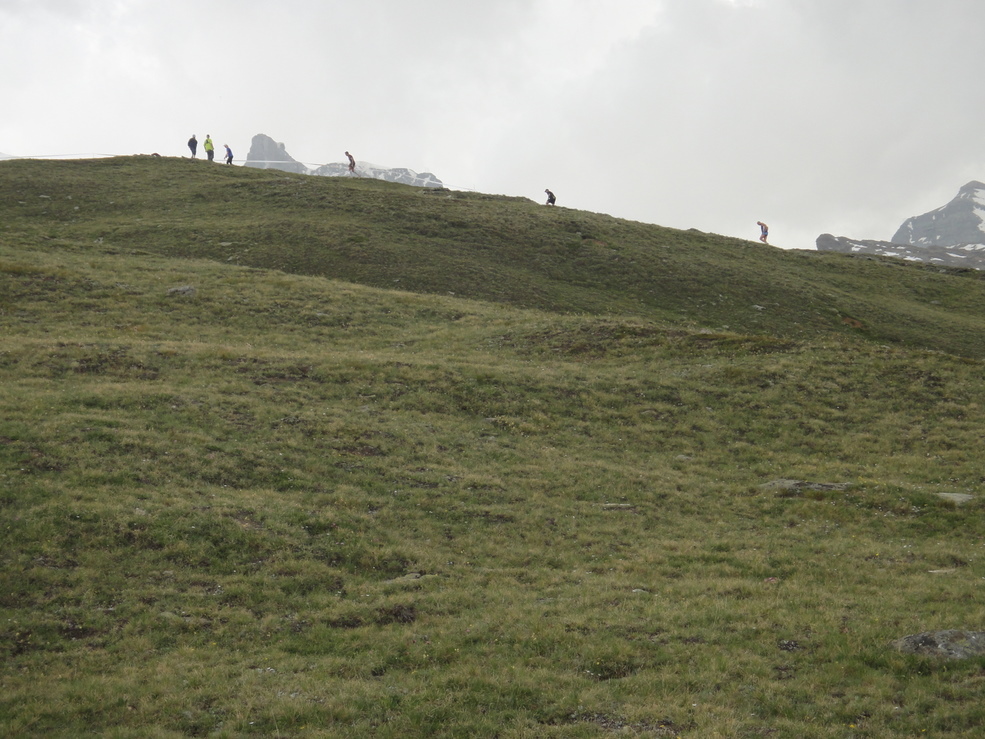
296, 456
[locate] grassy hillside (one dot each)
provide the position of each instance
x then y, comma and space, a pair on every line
494, 248
294, 500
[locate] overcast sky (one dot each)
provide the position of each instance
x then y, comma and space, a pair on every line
838, 116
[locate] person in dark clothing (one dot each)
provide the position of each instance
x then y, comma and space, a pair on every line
550, 197
193, 145
352, 163
229, 154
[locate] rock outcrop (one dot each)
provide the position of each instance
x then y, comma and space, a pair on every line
950, 644
265, 153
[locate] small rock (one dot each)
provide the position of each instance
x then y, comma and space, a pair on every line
789, 486
950, 644
956, 498
183, 290
410, 577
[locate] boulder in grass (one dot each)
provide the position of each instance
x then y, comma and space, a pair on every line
949, 644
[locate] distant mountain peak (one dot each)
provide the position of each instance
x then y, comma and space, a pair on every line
959, 222
952, 235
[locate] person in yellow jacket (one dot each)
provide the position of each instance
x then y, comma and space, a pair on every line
209, 147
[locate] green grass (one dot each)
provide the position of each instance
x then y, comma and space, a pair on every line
302, 503
493, 248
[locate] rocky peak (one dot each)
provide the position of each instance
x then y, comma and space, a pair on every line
958, 222
952, 235
265, 153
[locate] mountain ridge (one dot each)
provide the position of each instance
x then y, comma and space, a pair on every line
951, 235
265, 153
956, 223
970, 256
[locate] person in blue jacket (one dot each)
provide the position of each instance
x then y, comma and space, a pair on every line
229, 154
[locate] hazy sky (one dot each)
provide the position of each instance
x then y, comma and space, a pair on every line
840, 116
